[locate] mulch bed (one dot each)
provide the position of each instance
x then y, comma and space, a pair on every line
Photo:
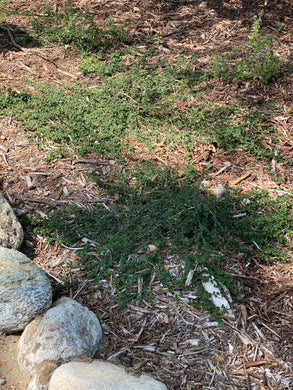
171, 340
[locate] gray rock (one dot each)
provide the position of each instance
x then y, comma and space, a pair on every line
25, 290
220, 190
11, 233
99, 375
67, 331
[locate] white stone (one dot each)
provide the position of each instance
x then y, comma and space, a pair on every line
220, 191
100, 375
152, 248
11, 232
67, 331
25, 290
206, 184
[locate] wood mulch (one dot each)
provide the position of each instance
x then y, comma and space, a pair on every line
171, 340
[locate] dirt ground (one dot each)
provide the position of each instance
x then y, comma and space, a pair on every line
9, 367
182, 347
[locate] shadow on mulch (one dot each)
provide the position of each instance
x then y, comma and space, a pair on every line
13, 37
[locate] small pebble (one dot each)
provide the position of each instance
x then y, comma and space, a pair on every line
152, 248
206, 184
220, 190
2, 382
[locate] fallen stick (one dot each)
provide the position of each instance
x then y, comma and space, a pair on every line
241, 178
252, 364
